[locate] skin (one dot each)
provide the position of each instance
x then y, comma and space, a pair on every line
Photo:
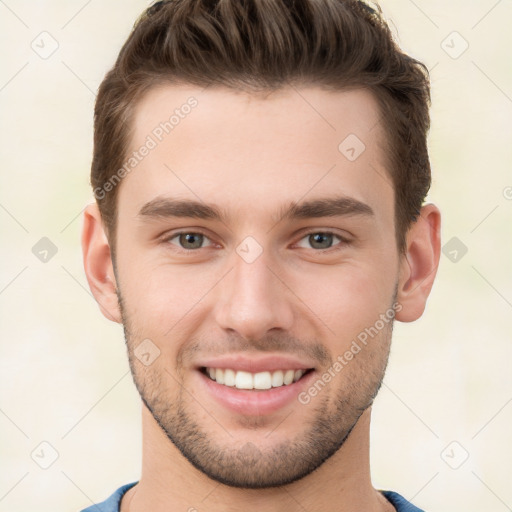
252, 155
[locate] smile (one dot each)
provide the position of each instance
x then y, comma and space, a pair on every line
259, 381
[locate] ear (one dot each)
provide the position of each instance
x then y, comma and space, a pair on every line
98, 264
418, 266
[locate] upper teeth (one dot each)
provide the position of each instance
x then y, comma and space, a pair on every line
261, 380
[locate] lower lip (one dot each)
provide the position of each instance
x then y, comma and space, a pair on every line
255, 402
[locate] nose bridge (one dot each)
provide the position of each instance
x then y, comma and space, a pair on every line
252, 299
253, 280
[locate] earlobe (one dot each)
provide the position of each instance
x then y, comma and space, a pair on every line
419, 264
98, 264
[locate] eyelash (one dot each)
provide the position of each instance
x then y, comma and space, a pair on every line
342, 240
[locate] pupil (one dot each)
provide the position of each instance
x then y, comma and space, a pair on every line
191, 240
321, 240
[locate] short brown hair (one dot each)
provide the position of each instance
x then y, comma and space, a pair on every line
263, 45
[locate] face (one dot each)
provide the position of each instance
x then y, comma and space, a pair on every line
257, 269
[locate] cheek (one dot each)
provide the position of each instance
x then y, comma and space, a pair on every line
159, 295
349, 298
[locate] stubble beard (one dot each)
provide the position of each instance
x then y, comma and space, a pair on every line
331, 419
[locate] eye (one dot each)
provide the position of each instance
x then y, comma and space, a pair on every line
189, 240
319, 240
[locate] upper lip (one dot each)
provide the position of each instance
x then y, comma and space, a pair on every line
267, 363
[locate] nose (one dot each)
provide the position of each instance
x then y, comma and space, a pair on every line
253, 300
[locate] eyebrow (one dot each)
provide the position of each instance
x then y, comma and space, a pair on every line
327, 207
324, 207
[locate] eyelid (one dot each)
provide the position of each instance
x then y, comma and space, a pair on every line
343, 240
167, 237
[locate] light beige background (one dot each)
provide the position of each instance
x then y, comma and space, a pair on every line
64, 373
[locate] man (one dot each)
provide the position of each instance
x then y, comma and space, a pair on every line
260, 169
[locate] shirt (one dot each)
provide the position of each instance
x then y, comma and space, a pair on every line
112, 503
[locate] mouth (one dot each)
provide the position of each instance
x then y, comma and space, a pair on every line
260, 381
262, 384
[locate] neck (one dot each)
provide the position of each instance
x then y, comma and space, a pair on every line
170, 482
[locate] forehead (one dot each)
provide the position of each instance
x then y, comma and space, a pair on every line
247, 150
